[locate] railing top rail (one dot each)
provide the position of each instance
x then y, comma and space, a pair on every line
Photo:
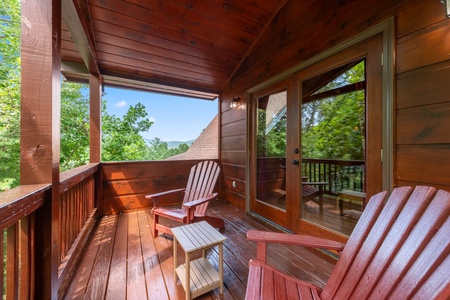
72, 177
20, 202
164, 162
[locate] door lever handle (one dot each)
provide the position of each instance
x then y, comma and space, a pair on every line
295, 162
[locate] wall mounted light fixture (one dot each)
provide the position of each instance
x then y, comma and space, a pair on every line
234, 104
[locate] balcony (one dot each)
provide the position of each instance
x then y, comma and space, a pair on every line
47, 226
104, 247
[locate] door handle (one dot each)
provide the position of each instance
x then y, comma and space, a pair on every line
295, 162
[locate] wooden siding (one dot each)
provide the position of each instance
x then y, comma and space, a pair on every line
423, 105
421, 100
126, 184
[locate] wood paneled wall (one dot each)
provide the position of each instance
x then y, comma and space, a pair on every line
304, 29
422, 135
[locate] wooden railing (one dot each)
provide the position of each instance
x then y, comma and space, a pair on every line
25, 243
338, 174
18, 240
329, 170
77, 212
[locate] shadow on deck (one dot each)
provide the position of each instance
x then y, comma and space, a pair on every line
123, 261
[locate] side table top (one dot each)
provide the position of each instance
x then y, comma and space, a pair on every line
196, 236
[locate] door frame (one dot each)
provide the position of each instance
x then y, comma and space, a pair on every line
387, 30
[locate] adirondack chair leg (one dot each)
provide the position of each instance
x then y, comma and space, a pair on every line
155, 222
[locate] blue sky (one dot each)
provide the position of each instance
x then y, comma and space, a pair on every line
175, 118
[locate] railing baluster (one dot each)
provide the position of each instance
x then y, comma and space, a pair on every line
32, 238
24, 258
77, 203
12, 262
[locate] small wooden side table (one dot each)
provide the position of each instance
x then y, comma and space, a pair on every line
199, 276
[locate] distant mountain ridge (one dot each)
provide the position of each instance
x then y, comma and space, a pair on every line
173, 144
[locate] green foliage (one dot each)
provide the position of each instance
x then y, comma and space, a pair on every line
272, 143
159, 150
334, 128
74, 143
337, 135
9, 93
121, 140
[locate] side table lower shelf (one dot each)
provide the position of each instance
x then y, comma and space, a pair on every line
204, 277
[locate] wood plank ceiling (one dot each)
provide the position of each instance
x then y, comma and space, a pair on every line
190, 47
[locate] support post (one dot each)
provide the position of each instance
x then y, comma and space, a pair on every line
95, 133
40, 129
95, 94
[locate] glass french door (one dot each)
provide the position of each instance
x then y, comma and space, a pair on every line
315, 141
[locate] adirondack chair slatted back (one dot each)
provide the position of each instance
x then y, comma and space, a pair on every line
400, 252
201, 183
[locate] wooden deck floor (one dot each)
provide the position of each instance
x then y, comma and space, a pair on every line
124, 261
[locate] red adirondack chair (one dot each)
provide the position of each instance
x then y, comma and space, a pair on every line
197, 194
398, 250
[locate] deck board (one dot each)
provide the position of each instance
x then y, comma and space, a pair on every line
117, 280
99, 276
153, 274
136, 287
124, 261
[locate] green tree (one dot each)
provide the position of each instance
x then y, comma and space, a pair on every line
175, 151
338, 134
276, 139
9, 93
273, 142
157, 149
334, 128
121, 139
74, 143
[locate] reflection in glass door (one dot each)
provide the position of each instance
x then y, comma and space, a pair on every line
333, 147
341, 138
271, 150
270, 195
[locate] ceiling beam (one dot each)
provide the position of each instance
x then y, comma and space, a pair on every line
77, 72
80, 32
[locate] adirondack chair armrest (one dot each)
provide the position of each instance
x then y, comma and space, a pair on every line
155, 197
264, 237
194, 203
